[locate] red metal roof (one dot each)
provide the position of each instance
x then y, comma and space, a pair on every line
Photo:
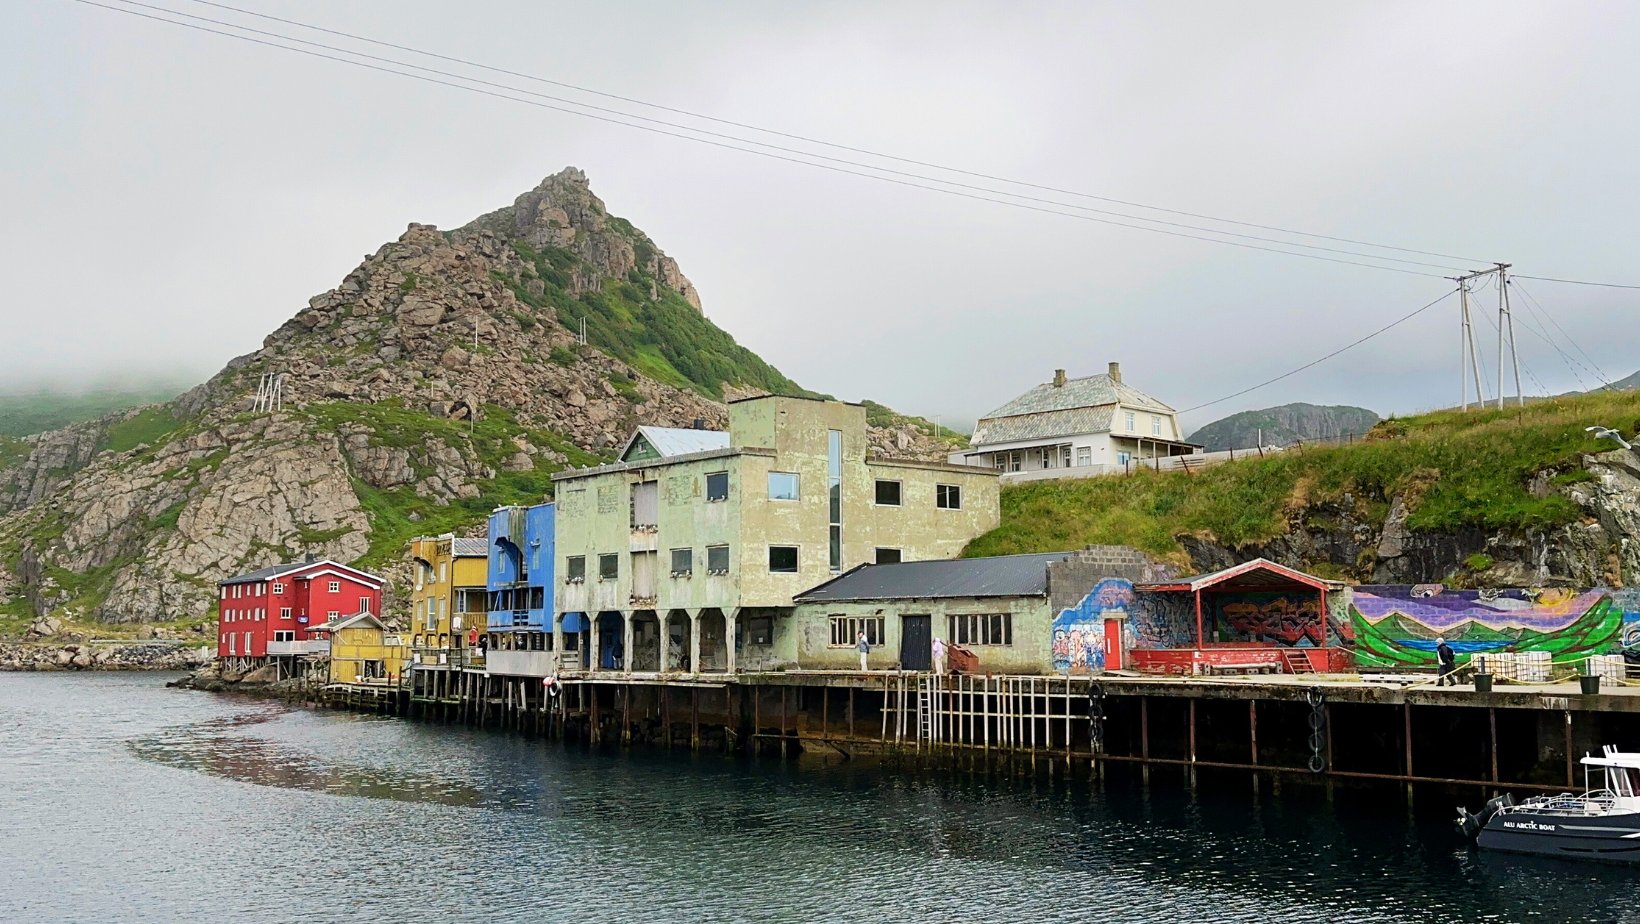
1238, 575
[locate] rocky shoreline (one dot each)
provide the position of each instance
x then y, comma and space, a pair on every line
79, 656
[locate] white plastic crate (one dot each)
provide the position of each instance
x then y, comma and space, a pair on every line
1608, 666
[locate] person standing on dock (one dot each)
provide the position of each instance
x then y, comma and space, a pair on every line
864, 646
1449, 664
939, 655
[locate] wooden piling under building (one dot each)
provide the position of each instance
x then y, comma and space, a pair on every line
1523, 738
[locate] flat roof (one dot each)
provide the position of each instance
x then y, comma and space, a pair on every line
998, 576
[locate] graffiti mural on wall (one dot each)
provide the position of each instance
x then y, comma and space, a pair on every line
1399, 626
1079, 632
1284, 619
1629, 602
1163, 620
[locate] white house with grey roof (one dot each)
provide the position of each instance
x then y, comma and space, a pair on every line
1068, 428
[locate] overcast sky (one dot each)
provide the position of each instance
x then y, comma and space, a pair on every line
171, 196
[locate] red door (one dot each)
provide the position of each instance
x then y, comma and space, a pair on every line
1113, 644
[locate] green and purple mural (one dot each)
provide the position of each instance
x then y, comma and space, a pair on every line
1400, 625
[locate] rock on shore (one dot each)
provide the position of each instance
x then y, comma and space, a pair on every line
75, 656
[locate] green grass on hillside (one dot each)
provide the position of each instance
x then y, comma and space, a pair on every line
1459, 470
21, 415
665, 338
399, 514
146, 427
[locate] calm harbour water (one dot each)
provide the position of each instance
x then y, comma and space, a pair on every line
121, 801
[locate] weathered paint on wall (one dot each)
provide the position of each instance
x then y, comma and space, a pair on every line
1399, 626
1078, 645
804, 639
1163, 620
351, 647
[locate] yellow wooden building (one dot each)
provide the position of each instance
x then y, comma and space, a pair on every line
364, 650
449, 597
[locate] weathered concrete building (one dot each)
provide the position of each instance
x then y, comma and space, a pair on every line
1068, 428
1056, 612
687, 561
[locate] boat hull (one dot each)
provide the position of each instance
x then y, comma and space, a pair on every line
1614, 838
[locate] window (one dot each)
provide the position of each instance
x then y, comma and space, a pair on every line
982, 628
1064, 457
236, 590
948, 496
575, 568
284, 612
284, 635
1122, 458
834, 495
782, 559
717, 559
335, 587
888, 556
1048, 456
1128, 418
232, 638
364, 604
888, 493
1009, 461
683, 562
1084, 455
440, 576
278, 588
845, 630
1155, 425
717, 487
331, 615
609, 567
783, 486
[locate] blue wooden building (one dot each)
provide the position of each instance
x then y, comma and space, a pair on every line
520, 569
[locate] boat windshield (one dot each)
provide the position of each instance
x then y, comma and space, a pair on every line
1624, 781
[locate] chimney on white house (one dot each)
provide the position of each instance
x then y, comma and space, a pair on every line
1059, 378
1116, 373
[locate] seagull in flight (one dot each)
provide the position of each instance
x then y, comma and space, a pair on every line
1605, 433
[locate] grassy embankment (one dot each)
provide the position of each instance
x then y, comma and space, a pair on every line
23, 414
1460, 470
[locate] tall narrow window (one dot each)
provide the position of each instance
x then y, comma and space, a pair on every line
1128, 419
834, 494
1155, 425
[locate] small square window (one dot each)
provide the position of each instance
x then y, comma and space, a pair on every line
717, 559
717, 486
335, 587
948, 496
278, 588
683, 561
888, 556
783, 486
609, 567
575, 568
782, 559
888, 493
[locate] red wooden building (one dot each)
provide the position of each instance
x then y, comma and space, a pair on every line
267, 612
1255, 616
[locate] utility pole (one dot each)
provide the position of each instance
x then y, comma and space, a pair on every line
1506, 320
1469, 363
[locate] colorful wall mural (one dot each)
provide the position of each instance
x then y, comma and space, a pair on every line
1399, 626
1079, 632
1629, 602
1163, 620
1289, 619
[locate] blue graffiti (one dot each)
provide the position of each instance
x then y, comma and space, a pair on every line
1079, 632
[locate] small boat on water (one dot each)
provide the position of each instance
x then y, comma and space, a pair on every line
1601, 824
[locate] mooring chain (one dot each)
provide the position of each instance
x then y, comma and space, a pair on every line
1318, 729
1096, 718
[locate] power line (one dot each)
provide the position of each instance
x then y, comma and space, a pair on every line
1578, 282
1316, 362
1593, 366
811, 140
760, 144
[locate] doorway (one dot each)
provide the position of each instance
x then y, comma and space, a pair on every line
916, 642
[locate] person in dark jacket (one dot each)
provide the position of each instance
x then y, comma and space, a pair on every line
1449, 664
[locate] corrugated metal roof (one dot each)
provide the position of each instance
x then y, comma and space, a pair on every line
262, 574
1046, 425
470, 548
1091, 391
678, 441
1002, 576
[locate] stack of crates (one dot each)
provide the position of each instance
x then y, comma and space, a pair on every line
1608, 666
1517, 666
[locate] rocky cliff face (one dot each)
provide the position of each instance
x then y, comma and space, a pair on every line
1281, 426
434, 383
1598, 550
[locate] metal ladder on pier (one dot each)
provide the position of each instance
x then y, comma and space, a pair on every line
1297, 661
925, 710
